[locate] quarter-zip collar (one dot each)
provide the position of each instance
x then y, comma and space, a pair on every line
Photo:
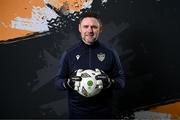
94, 45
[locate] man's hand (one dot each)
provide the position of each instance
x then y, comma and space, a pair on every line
72, 81
105, 79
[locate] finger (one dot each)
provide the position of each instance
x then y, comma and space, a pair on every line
76, 78
100, 77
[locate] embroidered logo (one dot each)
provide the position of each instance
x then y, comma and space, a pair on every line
77, 57
101, 56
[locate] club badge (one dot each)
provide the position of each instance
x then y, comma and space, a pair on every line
77, 57
101, 56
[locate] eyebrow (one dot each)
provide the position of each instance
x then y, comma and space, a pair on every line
90, 25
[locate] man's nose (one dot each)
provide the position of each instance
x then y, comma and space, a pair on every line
90, 29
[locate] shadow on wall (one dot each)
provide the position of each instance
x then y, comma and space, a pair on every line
145, 69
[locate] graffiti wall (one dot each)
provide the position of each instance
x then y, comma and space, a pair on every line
33, 35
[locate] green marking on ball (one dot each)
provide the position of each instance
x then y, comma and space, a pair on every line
90, 83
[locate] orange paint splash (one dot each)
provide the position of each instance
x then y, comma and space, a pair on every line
173, 109
10, 9
73, 5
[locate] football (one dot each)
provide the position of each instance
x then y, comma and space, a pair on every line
88, 86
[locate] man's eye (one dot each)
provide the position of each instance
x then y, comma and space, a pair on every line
95, 27
86, 26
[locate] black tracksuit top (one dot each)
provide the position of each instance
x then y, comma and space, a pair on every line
83, 56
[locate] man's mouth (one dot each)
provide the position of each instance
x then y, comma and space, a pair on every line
90, 35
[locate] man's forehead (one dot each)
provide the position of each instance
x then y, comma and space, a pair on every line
89, 20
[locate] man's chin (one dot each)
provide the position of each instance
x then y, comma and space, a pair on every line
90, 42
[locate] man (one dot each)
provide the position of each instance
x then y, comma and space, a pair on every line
89, 53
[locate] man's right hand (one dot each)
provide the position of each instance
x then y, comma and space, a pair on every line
70, 83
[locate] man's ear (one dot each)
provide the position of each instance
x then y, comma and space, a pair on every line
101, 28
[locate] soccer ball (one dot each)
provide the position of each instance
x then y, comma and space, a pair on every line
88, 86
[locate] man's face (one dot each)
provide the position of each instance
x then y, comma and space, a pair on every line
89, 29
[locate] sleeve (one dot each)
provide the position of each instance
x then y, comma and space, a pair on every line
117, 73
62, 74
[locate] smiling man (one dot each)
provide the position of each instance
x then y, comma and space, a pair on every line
90, 29
91, 54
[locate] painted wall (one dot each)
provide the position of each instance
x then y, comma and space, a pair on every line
170, 108
35, 33
9, 10
23, 17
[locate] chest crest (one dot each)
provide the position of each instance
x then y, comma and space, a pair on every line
101, 56
77, 57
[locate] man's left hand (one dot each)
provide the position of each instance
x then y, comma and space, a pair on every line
105, 80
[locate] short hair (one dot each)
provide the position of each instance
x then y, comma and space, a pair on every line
91, 14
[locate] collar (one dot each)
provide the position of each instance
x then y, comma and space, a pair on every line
94, 45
